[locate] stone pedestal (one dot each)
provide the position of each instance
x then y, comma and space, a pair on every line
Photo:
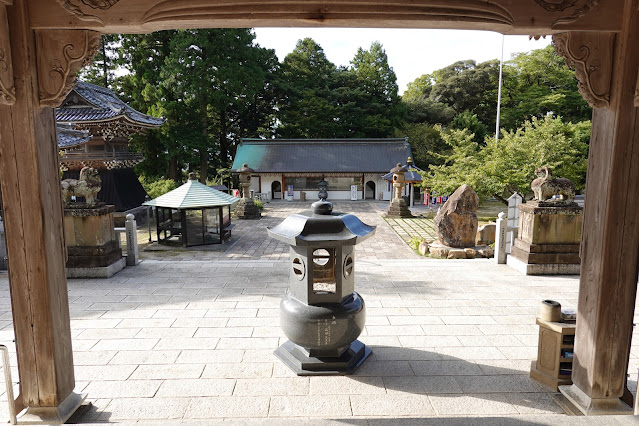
246, 209
398, 208
91, 245
548, 240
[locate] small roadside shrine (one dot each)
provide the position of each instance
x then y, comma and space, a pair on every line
193, 215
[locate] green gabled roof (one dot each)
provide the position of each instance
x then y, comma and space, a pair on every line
192, 195
321, 155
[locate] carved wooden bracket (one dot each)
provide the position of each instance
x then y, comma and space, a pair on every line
82, 8
578, 8
60, 55
7, 87
591, 55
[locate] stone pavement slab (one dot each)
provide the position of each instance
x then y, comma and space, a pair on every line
457, 341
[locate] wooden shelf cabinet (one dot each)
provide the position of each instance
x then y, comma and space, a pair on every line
553, 366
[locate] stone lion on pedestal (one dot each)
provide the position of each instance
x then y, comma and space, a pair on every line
546, 186
87, 186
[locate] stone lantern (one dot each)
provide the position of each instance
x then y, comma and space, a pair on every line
321, 313
246, 208
398, 206
323, 189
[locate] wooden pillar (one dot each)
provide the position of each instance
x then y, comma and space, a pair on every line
29, 172
610, 237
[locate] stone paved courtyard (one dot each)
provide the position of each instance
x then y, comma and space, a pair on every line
250, 241
180, 340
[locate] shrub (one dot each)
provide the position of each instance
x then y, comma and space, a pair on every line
157, 187
259, 204
414, 242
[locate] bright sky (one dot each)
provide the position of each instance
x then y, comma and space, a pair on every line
411, 53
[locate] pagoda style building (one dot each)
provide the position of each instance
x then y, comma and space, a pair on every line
94, 129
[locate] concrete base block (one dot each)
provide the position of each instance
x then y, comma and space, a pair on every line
594, 407
542, 268
98, 271
52, 415
298, 360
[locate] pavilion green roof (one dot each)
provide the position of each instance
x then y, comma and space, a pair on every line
192, 195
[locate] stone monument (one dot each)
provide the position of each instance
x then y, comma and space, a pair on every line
549, 229
246, 208
398, 206
88, 229
456, 224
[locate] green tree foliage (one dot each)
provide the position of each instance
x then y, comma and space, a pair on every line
534, 84
212, 86
156, 187
308, 107
320, 100
538, 83
102, 70
507, 165
382, 112
425, 141
470, 121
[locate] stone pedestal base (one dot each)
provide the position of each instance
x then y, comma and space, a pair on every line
542, 268
92, 249
303, 363
52, 415
593, 407
398, 208
549, 239
246, 209
97, 271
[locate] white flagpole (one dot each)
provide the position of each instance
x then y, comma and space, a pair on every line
501, 67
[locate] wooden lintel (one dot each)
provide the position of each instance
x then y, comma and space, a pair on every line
506, 16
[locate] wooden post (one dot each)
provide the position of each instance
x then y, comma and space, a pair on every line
610, 241
29, 171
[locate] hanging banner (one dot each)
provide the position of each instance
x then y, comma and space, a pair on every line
353, 192
426, 198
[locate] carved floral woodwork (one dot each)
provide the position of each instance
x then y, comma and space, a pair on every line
60, 55
581, 7
591, 55
78, 7
7, 87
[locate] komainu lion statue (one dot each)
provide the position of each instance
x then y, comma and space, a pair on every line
87, 186
545, 186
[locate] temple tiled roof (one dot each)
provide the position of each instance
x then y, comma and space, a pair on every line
321, 155
69, 137
90, 103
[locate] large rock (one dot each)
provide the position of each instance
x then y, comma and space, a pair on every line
456, 221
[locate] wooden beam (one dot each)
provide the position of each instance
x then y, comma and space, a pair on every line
509, 17
610, 242
36, 251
